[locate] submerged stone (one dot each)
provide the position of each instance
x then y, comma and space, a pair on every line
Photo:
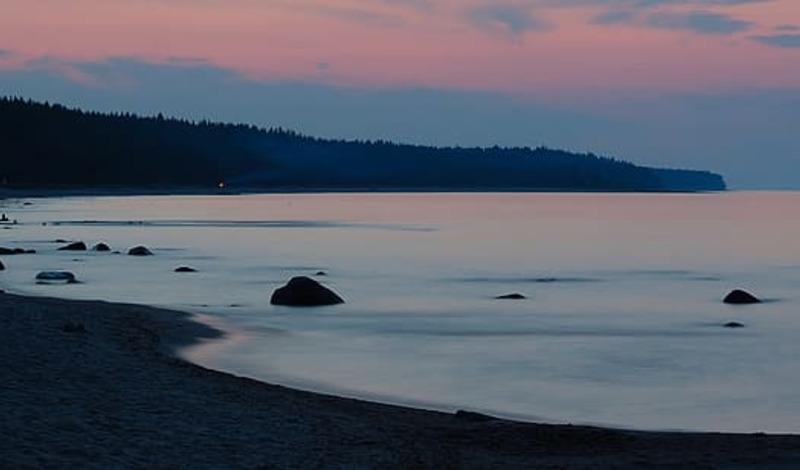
185, 269
56, 276
76, 246
512, 296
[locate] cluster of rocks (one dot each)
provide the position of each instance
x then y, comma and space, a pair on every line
68, 277
81, 246
300, 291
102, 247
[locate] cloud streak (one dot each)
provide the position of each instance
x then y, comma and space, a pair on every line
512, 20
372, 18
786, 41
702, 22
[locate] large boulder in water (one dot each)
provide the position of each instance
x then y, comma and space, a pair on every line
101, 247
76, 246
140, 251
2, 266
302, 291
738, 296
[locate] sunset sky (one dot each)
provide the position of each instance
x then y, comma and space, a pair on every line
707, 84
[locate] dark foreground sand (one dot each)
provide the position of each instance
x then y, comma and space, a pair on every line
113, 396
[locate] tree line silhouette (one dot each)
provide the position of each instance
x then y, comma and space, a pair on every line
51, 146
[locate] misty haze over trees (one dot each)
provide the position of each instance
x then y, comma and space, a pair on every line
50, 146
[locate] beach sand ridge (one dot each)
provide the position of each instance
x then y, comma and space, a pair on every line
96, 384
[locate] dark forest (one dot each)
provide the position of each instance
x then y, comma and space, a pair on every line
47, 145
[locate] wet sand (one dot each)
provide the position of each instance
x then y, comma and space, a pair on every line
96, 384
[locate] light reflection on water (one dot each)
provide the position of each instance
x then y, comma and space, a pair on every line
621, 324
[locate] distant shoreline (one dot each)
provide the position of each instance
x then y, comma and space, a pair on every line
19, 193
95, 383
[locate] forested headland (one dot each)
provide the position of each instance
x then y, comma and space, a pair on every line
49, 146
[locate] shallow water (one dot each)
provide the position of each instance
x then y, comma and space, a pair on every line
622, 324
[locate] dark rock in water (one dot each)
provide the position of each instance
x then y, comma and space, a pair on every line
101, 247
320, 273
73, 328
739, 296
302, 291
61, 240
77, 246
15, 251
514, 296
56, 276
140, 251
2, 266
733, 324
185, 269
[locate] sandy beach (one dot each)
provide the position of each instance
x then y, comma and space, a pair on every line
96, 384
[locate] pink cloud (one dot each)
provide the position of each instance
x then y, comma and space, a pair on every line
555, 49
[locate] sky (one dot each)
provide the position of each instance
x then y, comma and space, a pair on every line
701, 84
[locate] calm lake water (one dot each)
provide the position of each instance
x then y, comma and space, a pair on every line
622, 324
